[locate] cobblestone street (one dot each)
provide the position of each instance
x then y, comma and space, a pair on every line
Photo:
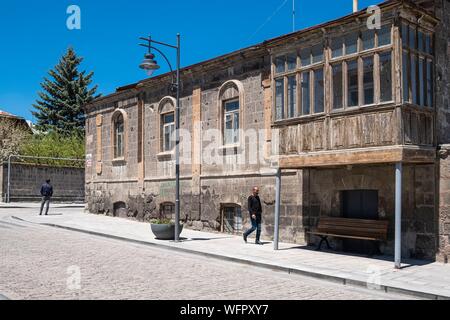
39, 262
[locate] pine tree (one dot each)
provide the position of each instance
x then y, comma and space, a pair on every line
60, 107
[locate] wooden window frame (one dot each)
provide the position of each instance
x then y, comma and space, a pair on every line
224, 115
115, 157
311, 68
418, 55
165, 125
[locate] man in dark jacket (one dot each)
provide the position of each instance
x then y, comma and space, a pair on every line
255, 210
46, 193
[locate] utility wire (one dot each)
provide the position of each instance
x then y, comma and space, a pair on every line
268, 19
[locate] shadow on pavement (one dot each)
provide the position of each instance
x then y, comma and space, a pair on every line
407, 262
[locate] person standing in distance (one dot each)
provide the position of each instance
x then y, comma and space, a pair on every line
255, 210
46, 193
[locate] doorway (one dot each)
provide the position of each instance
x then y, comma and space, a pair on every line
359, 204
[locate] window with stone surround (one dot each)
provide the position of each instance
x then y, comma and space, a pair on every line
231, 218
167, 130
417, 65
231, 122
118, 135
167, 210
230, 102
166, 114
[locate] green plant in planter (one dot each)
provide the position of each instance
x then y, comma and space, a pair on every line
162, 221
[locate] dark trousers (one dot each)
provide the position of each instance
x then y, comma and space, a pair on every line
256, 225
46, 202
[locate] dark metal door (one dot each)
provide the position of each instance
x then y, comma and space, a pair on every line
359, 204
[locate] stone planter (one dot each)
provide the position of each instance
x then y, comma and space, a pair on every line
165, 231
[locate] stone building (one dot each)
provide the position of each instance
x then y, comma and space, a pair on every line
335, 106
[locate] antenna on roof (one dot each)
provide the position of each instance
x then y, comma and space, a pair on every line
293, 15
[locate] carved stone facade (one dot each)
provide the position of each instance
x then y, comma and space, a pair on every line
323, 154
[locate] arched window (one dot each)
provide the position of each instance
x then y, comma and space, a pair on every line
118, 135
231, 102
167, 123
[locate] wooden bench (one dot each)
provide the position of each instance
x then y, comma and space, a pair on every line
372, 230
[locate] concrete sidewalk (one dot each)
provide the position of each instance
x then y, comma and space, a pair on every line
418, 278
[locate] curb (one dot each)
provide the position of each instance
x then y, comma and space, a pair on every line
312, 274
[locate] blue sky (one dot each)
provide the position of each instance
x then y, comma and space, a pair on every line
34, 35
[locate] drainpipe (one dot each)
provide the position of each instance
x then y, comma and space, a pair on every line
277, 210
355, 6
398, 215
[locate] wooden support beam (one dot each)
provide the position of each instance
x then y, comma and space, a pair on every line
359, 156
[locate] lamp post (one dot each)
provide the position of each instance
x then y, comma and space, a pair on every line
150, 65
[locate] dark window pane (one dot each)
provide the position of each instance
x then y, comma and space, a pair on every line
280, 64
351, 43
430, 91
279, 99
368, 81
421, 81
412, 38
352, 78
414, 91
384, 35
231, 106
292, 96
169, 118
292, 61
305, 93
405, 75
337, 46
368, 39
305, 57
420, 40
386, 76
318, 91
337, 86
405, 35
428, 43
317, 53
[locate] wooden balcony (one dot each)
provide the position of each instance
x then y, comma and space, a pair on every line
367, 135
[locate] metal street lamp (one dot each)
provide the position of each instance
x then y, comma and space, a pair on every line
150, 65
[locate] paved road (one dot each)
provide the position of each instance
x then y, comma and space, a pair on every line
40, 262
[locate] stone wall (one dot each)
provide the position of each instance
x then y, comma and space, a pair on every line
444, 204
442, 42
26, 181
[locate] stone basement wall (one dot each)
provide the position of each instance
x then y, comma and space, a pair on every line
26, 181
443, 124
444, 205
419, 218
204, 210
443, 71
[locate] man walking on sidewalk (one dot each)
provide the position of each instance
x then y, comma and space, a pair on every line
46, 193
255, 210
